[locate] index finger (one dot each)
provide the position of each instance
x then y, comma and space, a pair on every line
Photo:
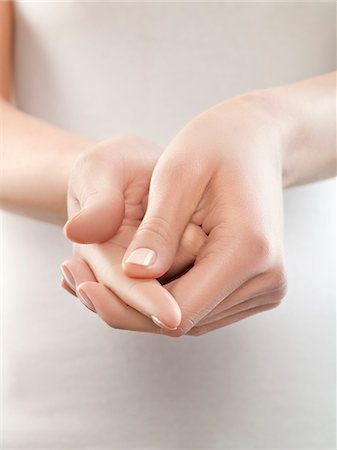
145, 295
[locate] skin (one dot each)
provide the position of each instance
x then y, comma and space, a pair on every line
235, 159
224, 217
6, 22
108, 209
29, 147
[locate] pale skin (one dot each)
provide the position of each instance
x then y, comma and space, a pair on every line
209, 208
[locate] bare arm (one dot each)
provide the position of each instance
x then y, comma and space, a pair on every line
225, 172
35, 156
306, 114
6, 30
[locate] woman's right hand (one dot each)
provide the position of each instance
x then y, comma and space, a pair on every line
107, 199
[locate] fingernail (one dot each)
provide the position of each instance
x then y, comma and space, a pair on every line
141, 256
67, 275
66, 286
161, 324
85, 300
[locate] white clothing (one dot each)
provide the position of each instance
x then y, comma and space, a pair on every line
100, 68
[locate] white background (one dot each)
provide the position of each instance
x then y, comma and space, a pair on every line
70, 381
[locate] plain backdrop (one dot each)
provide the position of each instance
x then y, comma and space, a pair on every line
69, 381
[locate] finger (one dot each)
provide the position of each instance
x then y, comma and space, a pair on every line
259, 300
170, 207
66, 286
76, 271
98, 219
95, 199
99, 183
264, 283
222, 266
198, 331
115, 312
190, 245
192, 240
146, 296
95, 193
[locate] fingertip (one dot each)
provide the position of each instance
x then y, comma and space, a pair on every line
144, 262
68, 276
90, 226
136, 271
73, 229
84, 297
164, 307
66, 287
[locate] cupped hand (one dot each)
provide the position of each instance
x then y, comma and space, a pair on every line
107, 198
224, 173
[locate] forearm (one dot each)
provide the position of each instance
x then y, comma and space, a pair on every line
35, 161
305, 113
6, 32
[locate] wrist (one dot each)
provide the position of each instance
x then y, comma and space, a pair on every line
305, 115
275, 125
255, 130
37, 157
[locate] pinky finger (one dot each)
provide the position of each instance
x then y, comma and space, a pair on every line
268, 298
115, 312
198, 331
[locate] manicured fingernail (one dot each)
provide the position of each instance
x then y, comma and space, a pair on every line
160, 324
85, 300
66, 286
68, 276
141, 256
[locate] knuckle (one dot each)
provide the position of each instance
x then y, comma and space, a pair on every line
183, 328
179, 332
197, 331
82, 169
88, 162
174, 169
85, 159
276, 302
283, 290
260, 249
157, 227
273, 301
278, 280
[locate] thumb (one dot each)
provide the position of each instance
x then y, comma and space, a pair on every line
95, 202
170, 207
98, 219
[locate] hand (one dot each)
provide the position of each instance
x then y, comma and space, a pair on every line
108, 191
233, 191
222, 172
